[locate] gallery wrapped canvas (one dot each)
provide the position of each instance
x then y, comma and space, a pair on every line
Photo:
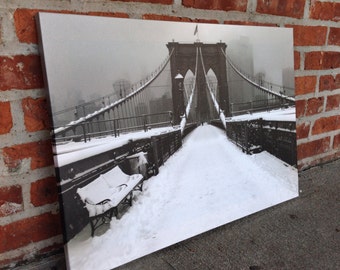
164, 130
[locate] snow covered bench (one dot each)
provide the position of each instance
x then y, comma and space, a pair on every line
103, 195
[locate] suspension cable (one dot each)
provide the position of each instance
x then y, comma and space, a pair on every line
216, 105
190, 99
280, 95
112, 105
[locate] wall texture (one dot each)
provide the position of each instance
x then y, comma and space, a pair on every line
29, 215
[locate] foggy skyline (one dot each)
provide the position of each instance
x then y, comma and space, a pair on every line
95, 52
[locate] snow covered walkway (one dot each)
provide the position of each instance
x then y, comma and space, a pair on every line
205, 184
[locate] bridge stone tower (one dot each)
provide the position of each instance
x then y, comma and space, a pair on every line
183, 59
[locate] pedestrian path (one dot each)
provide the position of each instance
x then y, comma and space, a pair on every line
205, 184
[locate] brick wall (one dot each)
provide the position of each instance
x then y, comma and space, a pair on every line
29, 216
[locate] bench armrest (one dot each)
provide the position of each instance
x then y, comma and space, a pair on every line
88, 201
99, 208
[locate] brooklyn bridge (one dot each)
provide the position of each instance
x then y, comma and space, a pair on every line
132, 130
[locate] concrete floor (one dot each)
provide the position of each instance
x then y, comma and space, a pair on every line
299, 234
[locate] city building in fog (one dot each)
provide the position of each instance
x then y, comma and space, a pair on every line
288, 81
239, 89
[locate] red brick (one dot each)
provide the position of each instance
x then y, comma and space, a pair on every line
250, 23
102, 14
166, 18
333, 103
322, 60
25, 26
288, 8
296, 60
52, 248
36, 114
302, 130
305, 85
326, 124
21, 72
325, 11
164, 2
175, 19
225, 5
317, 161
334, 36
40, 154
4, 263
300, 106
10, 200
328, 82
21, 233
6, 122
44, 191
309, 35
313, 148
314, 106
336, 142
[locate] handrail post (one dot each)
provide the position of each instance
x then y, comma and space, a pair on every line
115, 127
144, 122
84, 131
154, 145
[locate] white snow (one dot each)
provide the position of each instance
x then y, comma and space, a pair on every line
287, 114
114, 185
74, 151
205, 184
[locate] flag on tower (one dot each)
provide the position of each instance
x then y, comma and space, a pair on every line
196, 30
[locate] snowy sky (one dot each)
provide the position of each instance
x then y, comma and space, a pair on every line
86, 54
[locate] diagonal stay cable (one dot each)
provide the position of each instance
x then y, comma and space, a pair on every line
188, 107
95, 114
216, 105
254, 83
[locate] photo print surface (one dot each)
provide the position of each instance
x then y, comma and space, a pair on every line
165, 130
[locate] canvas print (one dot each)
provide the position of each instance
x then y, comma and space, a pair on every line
164, 130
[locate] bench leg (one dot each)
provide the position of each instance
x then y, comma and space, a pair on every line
99, 220
115, 212
130, 198
139, 186
92, 227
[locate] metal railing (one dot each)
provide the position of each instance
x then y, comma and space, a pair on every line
258, 105
82, 172
275, 137
84, 131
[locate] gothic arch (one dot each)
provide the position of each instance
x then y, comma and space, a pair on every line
183, 58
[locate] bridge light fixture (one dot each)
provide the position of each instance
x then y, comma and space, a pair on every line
179, 76
179, 79
181, 108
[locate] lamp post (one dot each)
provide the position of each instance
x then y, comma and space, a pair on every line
180, 107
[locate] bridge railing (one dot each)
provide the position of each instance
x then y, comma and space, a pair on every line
258, 105
163, 146
86, 108
78, 173
84, 131
275, 137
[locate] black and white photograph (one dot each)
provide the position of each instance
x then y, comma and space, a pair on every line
164, 130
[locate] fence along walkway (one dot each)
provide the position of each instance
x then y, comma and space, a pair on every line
275, 137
